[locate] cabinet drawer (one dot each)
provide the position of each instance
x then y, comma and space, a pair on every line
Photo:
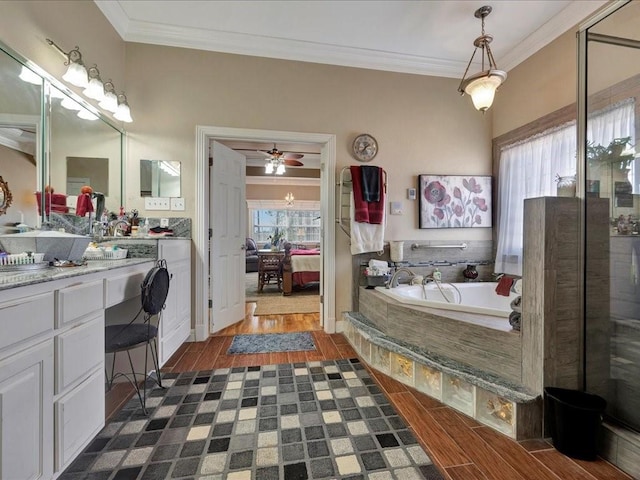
174, 250
25, 318
79, 351
123, 287
75, 302
79, 416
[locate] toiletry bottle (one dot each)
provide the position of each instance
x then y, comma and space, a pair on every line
437, 275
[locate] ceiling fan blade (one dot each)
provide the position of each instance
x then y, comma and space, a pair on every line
293, 163
293, 156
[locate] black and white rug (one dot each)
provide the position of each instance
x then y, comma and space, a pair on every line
296, 421
272, 342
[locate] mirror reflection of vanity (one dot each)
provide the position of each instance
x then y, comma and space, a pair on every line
159, 178
41, 119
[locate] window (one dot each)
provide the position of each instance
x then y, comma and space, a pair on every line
297, 226
528, 169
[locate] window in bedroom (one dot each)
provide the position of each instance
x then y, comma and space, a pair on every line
296, 226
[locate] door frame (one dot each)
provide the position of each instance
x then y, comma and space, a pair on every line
204, 134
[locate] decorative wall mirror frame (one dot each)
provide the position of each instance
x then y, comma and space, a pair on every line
5, 196
57, 133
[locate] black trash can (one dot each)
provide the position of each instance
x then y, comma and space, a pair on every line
574, 418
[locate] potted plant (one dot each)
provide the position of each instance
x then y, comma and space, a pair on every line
275, 239
613, 154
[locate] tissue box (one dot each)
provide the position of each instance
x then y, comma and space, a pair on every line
377, 280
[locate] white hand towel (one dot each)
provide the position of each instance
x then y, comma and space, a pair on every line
517, 286
366, 237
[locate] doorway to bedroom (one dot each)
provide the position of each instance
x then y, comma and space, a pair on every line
318, 212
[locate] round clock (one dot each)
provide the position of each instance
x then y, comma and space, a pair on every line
365, 147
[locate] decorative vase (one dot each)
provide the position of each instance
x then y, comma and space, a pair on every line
470, 273
566, 186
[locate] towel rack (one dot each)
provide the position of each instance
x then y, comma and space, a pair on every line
461, 246
345, 188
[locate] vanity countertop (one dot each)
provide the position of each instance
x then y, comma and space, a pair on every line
19, 279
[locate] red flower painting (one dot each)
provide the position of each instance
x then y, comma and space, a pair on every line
449, 201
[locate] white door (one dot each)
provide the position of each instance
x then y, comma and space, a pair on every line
227, 220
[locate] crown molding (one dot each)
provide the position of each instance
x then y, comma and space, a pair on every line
313, 52
569, 17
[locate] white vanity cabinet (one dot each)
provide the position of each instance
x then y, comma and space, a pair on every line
175, 324
52, 399
78, 368
26, 385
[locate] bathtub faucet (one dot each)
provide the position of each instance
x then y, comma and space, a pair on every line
393, 283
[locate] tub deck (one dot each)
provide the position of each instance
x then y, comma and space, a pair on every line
505, 406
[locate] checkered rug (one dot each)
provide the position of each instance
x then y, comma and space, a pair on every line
291, 421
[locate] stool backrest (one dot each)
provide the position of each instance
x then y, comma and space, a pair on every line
155, 288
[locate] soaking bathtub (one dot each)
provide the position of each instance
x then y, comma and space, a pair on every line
480, 297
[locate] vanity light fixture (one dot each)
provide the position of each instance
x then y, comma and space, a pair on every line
482, 86
76, 73
123, 113
87, 115
70, 104
110, 100
95, 88
27, 75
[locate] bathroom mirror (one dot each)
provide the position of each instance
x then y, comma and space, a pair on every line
41, 119
83, 151
159, 178
20, 141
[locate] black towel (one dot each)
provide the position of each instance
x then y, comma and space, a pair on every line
370, 183
514, 320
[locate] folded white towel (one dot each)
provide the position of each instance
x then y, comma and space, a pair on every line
517, 286
378, 263
366, 237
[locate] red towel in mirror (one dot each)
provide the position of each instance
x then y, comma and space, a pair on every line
504, 286
84, 205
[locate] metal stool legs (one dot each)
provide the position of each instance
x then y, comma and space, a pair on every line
135, 378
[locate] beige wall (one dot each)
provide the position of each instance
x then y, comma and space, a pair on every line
421, 123
25, 26
543, 83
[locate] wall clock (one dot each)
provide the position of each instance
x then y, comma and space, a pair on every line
364, 148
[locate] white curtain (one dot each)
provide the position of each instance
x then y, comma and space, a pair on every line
528, 169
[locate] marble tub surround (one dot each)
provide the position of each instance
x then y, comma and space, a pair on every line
423, 261
464, 337
505, 406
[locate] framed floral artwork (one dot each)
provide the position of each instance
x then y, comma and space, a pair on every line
454, 201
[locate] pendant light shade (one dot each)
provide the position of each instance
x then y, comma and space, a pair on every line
482, 86
110, 100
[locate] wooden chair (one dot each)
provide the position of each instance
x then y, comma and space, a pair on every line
269, 269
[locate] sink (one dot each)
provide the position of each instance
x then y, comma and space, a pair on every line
60, 245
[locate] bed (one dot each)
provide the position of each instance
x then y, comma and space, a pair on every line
299, 268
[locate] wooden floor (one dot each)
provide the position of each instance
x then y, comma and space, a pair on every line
462, 448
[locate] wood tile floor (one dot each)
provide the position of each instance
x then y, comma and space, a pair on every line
462, 448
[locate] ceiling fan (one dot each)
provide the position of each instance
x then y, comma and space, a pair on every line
288, 158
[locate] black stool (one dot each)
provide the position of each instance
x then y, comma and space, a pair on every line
126, 337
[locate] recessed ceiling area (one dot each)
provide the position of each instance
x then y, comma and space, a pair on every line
432, 37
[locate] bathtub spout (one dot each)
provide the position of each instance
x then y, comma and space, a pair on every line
393, 283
